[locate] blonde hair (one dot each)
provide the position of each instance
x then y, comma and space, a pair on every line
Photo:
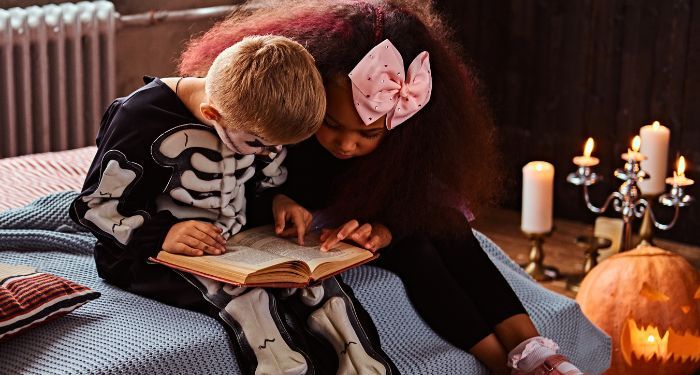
269, 86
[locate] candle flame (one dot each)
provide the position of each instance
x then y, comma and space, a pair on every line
588, 148
681, 166
538, 167
655, 125
651, 338
636, 143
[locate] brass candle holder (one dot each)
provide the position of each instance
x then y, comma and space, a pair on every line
591, 245
536, 267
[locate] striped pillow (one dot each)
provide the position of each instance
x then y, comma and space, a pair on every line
31, 299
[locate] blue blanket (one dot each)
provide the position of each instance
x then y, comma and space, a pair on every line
124, 333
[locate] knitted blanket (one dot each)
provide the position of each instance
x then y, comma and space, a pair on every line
124, 333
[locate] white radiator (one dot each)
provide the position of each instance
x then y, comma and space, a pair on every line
57, 75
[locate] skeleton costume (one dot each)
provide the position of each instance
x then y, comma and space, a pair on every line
157, 165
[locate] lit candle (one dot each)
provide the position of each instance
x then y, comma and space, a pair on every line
538, 188
655, 140
679, 178
587, 160
634, 153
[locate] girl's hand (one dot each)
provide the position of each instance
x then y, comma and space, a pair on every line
194, 238
370, 236
285, 210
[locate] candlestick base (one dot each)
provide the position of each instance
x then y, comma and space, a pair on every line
536, 267
646, 230
591, 244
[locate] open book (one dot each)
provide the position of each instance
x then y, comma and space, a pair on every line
258, 257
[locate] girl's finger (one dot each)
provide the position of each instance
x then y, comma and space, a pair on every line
361, 234
325, 232
373, 243
347, 228
331, 240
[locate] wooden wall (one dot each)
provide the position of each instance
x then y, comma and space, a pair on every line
559, 71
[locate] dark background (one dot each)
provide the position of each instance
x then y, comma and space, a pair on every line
557, 72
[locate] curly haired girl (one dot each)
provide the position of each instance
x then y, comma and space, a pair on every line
407, 180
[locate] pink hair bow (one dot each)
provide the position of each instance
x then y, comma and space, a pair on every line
380, 86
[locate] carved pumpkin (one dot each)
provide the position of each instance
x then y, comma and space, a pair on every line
648, 301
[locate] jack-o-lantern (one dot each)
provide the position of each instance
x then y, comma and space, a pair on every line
648, 301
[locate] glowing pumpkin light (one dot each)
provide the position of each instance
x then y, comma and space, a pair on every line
648, 301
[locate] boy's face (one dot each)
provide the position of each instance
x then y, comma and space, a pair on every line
245, 143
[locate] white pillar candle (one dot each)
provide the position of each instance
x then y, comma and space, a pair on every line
538, 188
655, 139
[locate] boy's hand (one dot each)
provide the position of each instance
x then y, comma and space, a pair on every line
285, 210
370, 236
194, 238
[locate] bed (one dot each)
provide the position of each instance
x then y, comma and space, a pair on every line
124, 333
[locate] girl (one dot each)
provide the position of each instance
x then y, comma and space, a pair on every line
404, 178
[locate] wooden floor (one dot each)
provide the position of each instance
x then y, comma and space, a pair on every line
503, 227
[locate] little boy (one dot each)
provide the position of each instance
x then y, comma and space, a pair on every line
174, 157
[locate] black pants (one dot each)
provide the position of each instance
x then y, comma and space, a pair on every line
453, 285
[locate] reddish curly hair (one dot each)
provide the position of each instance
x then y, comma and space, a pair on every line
446, 152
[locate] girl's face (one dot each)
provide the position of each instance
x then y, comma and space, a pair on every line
343, 133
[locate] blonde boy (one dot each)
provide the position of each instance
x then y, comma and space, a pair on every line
175, 158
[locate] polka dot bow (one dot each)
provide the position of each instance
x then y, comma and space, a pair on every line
381, 87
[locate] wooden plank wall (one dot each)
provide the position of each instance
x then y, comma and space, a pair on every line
559, 71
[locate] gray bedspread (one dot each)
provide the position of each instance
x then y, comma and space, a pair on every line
121, 333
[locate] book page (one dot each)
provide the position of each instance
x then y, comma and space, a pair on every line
264, 238
243, 256
239, 259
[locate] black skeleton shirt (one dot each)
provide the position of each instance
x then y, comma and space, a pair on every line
157, 165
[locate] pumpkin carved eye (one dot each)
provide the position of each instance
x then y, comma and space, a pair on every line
653, 294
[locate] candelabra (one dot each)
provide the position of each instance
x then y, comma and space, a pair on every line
628, 199
535, 266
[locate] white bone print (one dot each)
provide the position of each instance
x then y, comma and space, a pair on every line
252, 312
332, 322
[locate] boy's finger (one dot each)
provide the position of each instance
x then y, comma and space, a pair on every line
182, 248
289, 232
279, 221
308, 219
211, 230
300, 224
207, 240
348, 228
200, 245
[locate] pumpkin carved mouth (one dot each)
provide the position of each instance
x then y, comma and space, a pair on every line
647, 343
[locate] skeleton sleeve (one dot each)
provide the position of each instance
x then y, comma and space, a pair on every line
270, 172
117, 202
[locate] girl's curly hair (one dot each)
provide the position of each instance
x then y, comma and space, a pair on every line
444, 156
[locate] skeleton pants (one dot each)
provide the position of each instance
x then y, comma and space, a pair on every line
317, 330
